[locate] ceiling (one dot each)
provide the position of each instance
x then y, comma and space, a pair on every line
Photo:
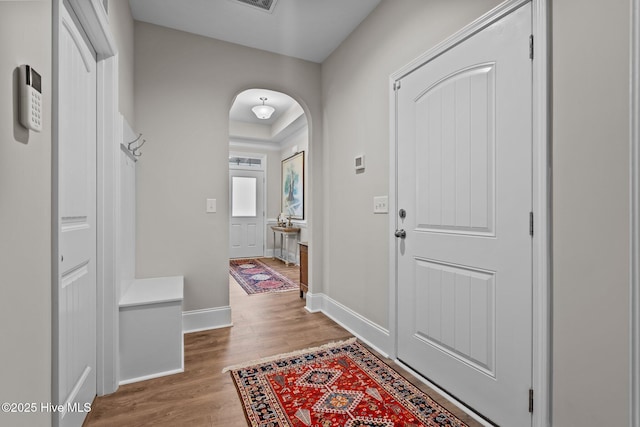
241, 108
284, 122
305, 29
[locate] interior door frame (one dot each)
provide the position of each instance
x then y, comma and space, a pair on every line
94, 21
634, 290
265, 190
541, 140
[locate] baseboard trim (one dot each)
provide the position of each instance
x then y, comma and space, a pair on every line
293, 257
364, 329
315, 302
149, 377
206, 319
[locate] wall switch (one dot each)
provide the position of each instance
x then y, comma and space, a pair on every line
381, 204
211, 206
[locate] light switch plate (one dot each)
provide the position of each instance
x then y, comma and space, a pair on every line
381, 204
211, 206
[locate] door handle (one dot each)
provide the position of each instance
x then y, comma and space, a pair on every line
401, 234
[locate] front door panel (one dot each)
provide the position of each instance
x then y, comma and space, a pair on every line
246, 225
465, 181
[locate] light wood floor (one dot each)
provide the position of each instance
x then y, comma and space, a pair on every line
263, 325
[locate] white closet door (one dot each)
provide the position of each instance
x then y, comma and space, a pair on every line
77, 224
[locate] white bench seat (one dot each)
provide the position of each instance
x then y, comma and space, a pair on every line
151, 340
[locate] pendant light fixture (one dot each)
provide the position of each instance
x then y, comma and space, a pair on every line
263, 112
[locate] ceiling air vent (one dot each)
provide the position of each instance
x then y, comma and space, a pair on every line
264, 5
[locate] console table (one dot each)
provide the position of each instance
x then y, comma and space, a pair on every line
285, 233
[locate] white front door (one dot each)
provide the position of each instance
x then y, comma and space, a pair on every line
465, 183
76, 305
246, 233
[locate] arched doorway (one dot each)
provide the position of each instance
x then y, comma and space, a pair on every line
257, 149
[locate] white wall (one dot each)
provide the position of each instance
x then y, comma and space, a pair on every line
122, 27
127, 216
184, 87
121, 23
591, 212
25, 216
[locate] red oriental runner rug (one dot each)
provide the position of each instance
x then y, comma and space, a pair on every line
341, 384
256, 277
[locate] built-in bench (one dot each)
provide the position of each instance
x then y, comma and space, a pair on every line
151, 340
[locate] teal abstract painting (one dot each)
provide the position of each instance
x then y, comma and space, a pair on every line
293, 186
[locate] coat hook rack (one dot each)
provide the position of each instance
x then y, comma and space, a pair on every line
129, 144
135, 150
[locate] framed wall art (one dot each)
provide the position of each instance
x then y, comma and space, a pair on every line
293, 186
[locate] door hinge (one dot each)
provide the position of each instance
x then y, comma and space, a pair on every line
531, 223
531, 400
531, 47
396, 85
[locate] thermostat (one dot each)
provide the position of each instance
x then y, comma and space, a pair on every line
359, 163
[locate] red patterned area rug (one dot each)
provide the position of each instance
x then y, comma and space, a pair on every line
341, 384
256, 277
